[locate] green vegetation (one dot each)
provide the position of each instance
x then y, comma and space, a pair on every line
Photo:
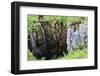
77, 54
30, 56
66, 20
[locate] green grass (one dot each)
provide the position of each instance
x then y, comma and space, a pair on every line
76, 54
30, 56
